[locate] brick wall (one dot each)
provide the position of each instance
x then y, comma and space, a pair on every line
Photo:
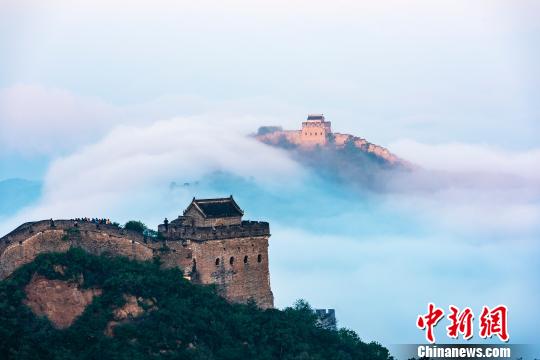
239, 266
197, 255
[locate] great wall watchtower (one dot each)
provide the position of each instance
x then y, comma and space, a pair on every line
221, 248
210, 242
315, 130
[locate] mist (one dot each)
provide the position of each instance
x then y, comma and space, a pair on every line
378, 256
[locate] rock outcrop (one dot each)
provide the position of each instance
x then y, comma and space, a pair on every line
60, 301
132, 309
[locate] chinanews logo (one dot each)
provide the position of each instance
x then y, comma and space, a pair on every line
492, 323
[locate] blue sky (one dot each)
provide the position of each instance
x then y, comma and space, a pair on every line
107, 102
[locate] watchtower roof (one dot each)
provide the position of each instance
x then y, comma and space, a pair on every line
216, 208
315, 117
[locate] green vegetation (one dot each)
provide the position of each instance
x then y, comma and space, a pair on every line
191, 322
137, 226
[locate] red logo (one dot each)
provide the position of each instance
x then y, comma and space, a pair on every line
492, 322
429, 320
460, 322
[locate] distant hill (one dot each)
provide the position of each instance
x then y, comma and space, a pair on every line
16, 194
79, 306
342, 157
287, 139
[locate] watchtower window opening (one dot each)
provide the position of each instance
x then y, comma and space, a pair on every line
231, 260
259, 258
245, 259
217, 261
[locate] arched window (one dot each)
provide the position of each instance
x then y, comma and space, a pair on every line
259, 258
231, 260
245, 259
217, 261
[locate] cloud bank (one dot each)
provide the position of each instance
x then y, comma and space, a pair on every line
129, 171
472, 158
37, 120
448, 233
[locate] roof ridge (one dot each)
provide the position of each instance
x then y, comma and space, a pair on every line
220, 207
214, 199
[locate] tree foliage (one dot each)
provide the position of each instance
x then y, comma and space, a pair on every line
190, 321
136, 226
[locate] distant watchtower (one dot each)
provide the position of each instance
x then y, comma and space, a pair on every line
315, 130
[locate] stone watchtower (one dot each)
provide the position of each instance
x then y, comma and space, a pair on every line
213, 245
315, 130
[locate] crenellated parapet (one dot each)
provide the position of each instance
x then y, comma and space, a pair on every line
182, 232
30, 228
23, 244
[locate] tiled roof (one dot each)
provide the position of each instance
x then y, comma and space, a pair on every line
315, 117
217, 208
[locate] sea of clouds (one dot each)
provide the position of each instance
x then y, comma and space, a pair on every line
462, 229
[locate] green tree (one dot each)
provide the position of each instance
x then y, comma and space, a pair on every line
134, 225
181, 320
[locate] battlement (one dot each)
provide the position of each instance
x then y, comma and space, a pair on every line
316, 121
183, 230
28, 229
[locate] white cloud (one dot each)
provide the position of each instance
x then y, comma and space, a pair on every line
127, 173
471, 158
37, 120
471, 189
371, 66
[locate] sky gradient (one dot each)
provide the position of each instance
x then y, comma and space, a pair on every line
108, 102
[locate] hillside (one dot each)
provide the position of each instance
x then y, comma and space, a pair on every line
99, 307
293, 139
344, 158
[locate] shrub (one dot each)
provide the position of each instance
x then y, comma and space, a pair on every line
134, 225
